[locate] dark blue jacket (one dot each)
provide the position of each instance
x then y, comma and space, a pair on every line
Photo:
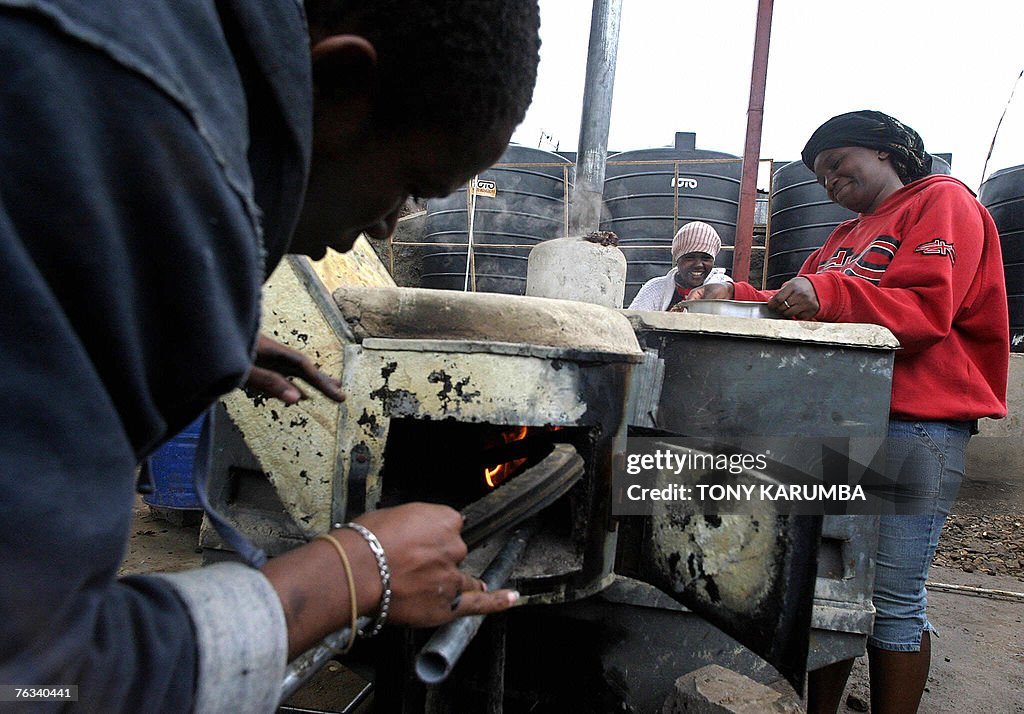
152, 161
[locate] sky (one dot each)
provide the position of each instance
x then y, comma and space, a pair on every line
945, 68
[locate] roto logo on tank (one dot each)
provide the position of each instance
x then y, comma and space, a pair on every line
684, 182
483, 187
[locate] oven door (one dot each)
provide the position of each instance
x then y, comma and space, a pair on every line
748, 569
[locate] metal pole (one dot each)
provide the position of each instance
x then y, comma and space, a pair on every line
469, 242
585, 207
303, 667
752, 145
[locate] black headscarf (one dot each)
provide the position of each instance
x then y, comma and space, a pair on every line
872, 130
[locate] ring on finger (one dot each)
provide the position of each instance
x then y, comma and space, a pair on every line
786, 303
469, 583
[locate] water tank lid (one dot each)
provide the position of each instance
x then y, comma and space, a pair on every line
1003, 172
830, 333
686, 141
423, 314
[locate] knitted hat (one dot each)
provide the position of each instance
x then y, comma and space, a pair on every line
696, 237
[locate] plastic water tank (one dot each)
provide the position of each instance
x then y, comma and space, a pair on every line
650, 193
1002, 194
802, 217
520, 202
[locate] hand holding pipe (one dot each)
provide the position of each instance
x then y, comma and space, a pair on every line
514, 501
441, 653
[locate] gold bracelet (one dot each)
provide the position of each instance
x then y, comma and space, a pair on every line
351, 587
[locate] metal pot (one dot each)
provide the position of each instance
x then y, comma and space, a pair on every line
733, 308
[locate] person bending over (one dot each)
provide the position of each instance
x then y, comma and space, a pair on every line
156, 157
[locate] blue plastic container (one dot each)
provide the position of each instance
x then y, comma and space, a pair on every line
171, 468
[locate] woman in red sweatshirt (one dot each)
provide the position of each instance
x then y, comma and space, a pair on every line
923, 260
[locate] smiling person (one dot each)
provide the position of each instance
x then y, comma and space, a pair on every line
694, 249
922, 259
156, 158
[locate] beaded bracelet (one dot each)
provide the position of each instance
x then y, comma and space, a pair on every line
385, 574
351, 587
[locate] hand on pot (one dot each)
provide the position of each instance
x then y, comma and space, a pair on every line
796, 299
712, 291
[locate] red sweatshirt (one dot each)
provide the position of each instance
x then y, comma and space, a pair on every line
927, 265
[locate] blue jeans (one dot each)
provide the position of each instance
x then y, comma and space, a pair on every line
928, 459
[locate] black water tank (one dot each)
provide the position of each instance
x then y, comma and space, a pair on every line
650, 193
1003, 195
803, 217
528, 206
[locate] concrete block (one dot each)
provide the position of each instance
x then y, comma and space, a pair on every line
717, 690
997, 452
574, 269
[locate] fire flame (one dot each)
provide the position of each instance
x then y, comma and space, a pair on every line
496, 474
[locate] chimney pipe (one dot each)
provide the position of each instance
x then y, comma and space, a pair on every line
588, 191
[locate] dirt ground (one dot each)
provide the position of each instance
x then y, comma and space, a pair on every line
978, 653
161, 541
975, 599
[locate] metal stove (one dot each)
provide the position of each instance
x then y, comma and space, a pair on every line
450, 397
449, 419
471, 399
798, 383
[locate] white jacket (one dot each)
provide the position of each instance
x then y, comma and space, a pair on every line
656, 293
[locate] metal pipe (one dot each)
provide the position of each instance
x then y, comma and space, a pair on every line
587, 193
752, 145
977, 592
442, 652
302, 668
